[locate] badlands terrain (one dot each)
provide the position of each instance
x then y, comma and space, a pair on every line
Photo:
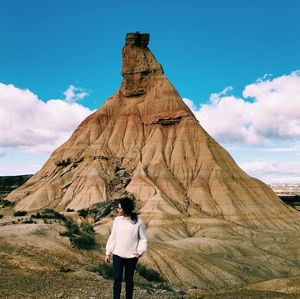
214, 231
36, 262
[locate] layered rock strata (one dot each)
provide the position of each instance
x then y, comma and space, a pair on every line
197, 203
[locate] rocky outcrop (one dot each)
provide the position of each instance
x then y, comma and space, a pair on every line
138, 64
210, 225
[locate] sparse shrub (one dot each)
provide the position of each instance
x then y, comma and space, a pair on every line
105, 270
70, 210
4, 203
63, 163
165, 286
65, 269
81, 237
20, 213
286, 274
29, 221
37, 216
49, 214
87, 228
83, 213
83, 241
1, 216
149, 274
72, 228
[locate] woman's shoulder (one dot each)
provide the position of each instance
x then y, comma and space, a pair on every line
139, 220
119, 218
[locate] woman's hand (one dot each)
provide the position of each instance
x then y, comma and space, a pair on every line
107, 259
136, 254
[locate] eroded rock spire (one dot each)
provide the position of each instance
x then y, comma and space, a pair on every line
138, 64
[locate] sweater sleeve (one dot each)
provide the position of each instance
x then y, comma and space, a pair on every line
111, 242
143, 243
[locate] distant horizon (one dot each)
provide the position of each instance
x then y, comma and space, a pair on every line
236, 65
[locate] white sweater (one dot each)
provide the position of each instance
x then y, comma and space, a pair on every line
126, 238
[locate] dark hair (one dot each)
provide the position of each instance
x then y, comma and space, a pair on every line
127, 205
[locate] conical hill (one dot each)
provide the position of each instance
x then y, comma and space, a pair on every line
147, 130
205, 217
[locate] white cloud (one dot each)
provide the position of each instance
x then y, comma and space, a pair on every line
264, 77
215, 97
261, 129
291, 149
273, 171
189, 103
269, 110
30, 124
74, 94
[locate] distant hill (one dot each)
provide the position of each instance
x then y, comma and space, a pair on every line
289, 193
9, 183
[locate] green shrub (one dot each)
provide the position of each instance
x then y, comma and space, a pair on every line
73, 228
63, 163
81, 237
29, 221
149, 274
49, 214
83, 213
105, 270
83, 241
20, 213
65, 269
6, 203
87, 228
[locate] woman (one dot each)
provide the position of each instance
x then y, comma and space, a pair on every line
127, 242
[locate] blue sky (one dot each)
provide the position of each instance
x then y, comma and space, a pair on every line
220, 55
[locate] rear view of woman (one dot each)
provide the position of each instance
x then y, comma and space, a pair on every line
127, 243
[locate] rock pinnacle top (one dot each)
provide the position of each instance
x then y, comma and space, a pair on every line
138, 39
138, 64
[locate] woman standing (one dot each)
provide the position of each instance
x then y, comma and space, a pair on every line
127, 242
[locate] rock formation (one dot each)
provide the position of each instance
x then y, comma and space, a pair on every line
210, 225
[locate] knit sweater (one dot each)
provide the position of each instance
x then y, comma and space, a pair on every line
126, 238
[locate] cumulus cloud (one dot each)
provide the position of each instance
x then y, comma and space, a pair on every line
264, 77
273, 171
30, 124
189, 103
261, 128
74, 94
268, 110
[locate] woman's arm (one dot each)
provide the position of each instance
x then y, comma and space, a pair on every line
111, 242
143, 243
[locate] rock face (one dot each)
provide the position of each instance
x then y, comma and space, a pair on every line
205, 217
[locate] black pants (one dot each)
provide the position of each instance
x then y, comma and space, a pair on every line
119, 264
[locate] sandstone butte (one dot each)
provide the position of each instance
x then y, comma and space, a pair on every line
209, 224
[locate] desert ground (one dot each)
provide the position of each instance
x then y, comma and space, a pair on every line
37, 262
